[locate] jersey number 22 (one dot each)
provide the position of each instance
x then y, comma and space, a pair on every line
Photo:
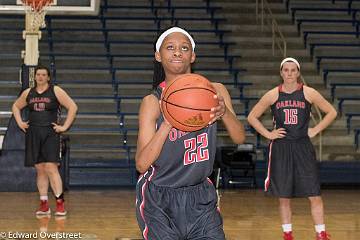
196, 149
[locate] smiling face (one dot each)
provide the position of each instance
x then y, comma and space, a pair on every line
176, 54
290, 72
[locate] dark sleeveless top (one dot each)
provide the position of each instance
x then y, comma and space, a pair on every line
292, 111
187, 158
44, 108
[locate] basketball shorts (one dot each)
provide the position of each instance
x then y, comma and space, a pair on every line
292, 169
42, 144
178, 213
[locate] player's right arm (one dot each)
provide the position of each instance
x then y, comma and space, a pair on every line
253, 118
150, 141
19, 104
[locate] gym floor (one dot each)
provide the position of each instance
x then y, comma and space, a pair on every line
110, 215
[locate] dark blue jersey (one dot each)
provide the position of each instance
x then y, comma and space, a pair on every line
43, 107
187, 158
291, 111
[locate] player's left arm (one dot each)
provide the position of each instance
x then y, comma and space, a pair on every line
66, 101
314, 97
226, 112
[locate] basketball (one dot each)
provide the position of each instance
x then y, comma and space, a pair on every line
187, 101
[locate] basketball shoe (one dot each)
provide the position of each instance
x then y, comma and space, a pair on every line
288, 236
322, 236
60, 207
44, 208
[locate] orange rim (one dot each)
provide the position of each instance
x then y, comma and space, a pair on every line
37, 5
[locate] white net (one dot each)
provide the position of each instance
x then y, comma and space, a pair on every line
35, 13
31, 77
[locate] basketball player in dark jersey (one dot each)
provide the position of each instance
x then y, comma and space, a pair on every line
42, 144
175, 198
292, 170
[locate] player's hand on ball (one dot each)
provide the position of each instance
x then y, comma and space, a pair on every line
277, 133
58, 128
165, 120
218, 111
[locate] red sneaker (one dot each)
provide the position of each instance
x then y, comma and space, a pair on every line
288, 236
44, 208
60, 207
322, 236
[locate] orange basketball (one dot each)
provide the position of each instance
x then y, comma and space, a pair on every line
187, 101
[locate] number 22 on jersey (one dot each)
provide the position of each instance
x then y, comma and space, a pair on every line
196, 149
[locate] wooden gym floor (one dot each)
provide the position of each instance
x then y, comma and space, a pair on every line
110, 215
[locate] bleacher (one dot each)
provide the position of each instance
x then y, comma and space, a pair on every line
330, 30
105, 63
337, 144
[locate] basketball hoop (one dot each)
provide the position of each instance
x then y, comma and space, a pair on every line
35, 13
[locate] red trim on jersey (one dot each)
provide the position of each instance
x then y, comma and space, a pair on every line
267, 180
142, 205
162, 85
217, 195
299, 87
140, 177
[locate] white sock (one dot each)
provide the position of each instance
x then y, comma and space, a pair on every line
58, 195
44, 198
320, 228
287, 227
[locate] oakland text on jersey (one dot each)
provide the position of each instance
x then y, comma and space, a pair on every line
39, 100
175, 134
290, 103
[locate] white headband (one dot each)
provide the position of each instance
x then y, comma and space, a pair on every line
170, 31
289, 59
